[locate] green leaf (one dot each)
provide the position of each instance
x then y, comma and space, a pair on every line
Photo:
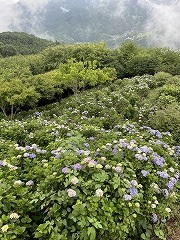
92, 233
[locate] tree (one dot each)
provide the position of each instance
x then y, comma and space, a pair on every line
78, 75
16, 93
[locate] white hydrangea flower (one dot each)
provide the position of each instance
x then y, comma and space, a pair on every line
74, 180
5, 228
168, 210
14, 215
99, 192
18, 182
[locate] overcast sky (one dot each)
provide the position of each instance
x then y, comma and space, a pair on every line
163, 23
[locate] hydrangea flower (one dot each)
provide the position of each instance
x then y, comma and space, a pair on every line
34, 146
162, 174
118, 169
134, 183
27, 148
32, 155
30, 183
144, 149
77, 166
127, 197
14, 215
165, 191
154, 217
2, 164
99, 192
133, 191
65, 170
74, 180
158, 160
26, 155
5, 228
144, 173
71, 192
18, 182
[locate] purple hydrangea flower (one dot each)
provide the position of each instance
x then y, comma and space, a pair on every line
65, 170
86, 145
144, 173
77, 166
154, 217
170, 185
158, 160
158, 134
32, 155
57, 156
91, 138
115, 151
140, 157
27, 148
80, 152
144, 149
133, 191
2, 164
166, 193
162, 174
173, 180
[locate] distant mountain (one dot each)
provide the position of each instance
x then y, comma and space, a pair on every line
114, 21
13, 43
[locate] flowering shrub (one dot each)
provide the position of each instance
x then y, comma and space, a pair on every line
80, 170
116, 183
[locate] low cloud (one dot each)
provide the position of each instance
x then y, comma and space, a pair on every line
163, 22
162, 16
8, 15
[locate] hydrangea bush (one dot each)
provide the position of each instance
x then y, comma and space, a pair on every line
118, 183
82, 171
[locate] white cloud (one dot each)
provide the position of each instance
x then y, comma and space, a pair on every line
163, 23
34, 5
8, 15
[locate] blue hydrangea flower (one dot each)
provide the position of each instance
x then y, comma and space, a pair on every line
77, 166
144, 173
162, 174
158, 160
154, 217
32, 155
133, 191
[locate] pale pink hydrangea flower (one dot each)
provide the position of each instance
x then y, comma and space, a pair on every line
71, 192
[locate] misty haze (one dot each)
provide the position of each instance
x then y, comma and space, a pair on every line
147, 22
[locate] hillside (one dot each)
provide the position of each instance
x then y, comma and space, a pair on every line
100, 166
16, 43
89, 143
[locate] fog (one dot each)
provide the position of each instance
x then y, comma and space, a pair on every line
162, 24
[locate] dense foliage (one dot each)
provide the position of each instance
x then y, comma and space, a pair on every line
100, 164
15, 43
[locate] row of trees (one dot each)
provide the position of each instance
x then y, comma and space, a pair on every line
26, 91
32, 79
